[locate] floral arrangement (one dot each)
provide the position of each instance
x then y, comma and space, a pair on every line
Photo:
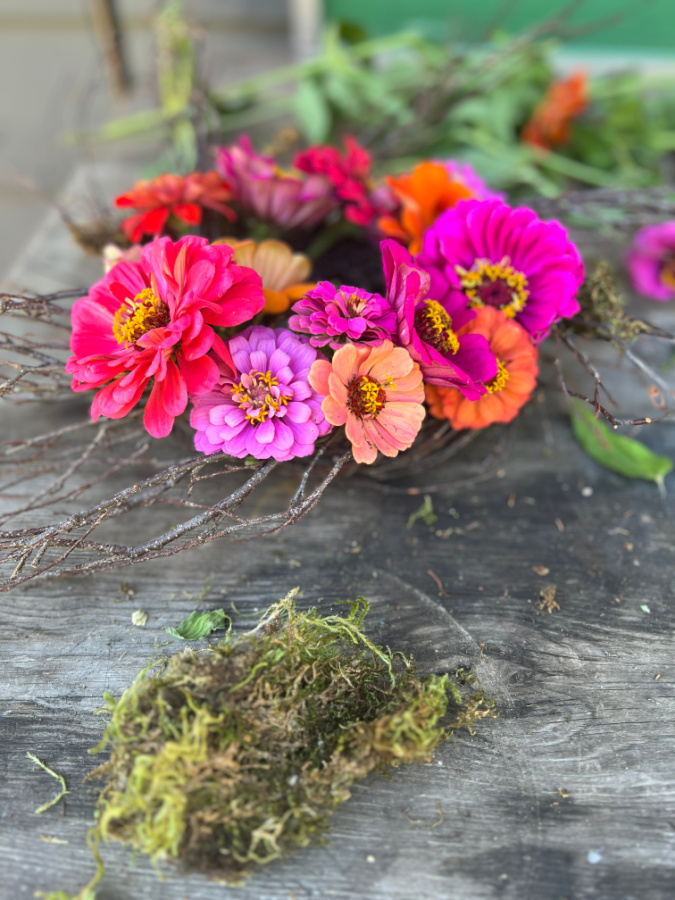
214, 328
471, 287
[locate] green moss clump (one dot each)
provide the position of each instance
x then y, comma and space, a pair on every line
602, 309
235, 756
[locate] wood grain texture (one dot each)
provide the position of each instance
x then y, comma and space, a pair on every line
580, 709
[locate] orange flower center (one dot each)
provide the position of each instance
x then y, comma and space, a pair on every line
136, 317
259, 395
366, 396
495, 284
667, 274
434, 326
498, 383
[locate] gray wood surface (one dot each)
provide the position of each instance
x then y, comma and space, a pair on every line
570, 793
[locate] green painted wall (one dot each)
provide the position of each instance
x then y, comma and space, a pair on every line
648, 24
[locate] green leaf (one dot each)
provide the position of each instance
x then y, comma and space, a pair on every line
198, 625
312, 112
615, 451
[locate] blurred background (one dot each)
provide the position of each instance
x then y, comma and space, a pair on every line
69, 67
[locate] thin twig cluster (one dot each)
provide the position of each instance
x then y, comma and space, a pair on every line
54, 522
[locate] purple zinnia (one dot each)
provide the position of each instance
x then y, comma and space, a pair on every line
428, 328
651, 261
265, 406
337, 315
484, 253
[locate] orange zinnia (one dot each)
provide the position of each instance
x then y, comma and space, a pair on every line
511, 387
424, 194
550, 125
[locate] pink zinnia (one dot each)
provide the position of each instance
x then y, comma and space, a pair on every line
484, 253
377, 393
651, 261
428, 328
334, 315
349, 175
263, 404
151, 321
260, 188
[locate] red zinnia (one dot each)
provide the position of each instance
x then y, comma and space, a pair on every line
181, 196
349, 175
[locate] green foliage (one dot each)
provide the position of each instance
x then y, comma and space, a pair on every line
312, 112
615, 451
408, 98
233, 757
198, 625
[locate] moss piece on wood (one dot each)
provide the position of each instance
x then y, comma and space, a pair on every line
232, 757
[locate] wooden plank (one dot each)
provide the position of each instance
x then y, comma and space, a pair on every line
580, 709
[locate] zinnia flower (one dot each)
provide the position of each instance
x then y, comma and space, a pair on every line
263, 405
151, 321
508, 391
651, 261
488, 254
425, 193
261, 189
181, 196
282, 271
377, 393
335, 315
428, 328
349, 175
550, 125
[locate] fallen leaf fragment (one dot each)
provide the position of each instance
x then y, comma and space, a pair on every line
139, 618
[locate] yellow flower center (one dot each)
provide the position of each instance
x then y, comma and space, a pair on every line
367, 396
498, 383
259, 395
434, 326
136, 317
495, 284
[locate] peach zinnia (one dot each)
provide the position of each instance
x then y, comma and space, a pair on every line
376, 392
508, 391
284, 273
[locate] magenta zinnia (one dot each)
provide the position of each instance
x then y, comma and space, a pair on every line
484, 253
152, 322
651, 261
334, 315
262, 406
428, 328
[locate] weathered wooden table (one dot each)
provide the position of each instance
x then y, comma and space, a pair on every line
570, 793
